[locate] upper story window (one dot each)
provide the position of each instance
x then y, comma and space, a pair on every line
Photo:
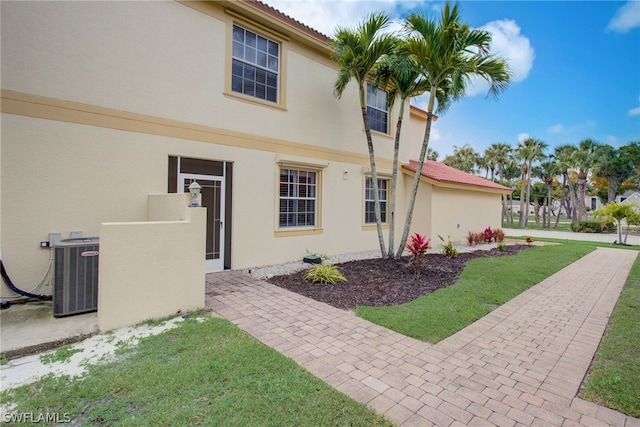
377, 109
255, 65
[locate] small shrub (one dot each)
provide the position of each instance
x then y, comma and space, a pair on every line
501, 247
499, 235
324, 273
418, 246
488, 235
587, 226
447, 248
471, 238
529, 240
478, 238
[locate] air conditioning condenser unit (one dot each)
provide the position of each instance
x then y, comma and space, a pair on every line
75, 276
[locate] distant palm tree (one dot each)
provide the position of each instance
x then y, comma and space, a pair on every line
586, 156
499, 153
528, 151
463, 158
564, 157
432, 154
547, 171
357, 52
509, 172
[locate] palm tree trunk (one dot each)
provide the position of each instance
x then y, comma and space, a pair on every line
394, 181
611, 196
562, 196
416, 178
582, 188
523, 181
374, 172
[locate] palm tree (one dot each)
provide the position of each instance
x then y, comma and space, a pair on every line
528, 151
564, 156
401, 72
585, 156
432, 154
509, 172
463, 158
499, 153
448, 54
547, 171
357, 52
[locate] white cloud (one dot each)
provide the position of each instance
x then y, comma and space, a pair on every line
626, 18
509, 43
523, 136
634, 111
559, 128
611, 140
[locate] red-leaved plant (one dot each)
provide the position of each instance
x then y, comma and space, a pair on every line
488, 235
418, 246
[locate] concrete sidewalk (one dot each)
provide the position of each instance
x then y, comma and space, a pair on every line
570, 235
520, 365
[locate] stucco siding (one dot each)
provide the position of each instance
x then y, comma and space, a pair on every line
456, 212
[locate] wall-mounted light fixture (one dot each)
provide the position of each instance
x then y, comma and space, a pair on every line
194, 190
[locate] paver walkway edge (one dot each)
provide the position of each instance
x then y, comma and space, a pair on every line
521, 365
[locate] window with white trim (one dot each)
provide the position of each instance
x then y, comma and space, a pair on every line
298, 198
255, 65
377, 109
369, 204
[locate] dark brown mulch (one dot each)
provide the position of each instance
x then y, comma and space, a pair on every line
382, 282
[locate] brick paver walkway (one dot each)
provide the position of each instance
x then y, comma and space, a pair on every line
521, 365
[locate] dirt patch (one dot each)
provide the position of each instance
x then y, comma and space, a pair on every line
382, 282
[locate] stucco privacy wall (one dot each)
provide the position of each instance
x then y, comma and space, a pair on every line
152, 269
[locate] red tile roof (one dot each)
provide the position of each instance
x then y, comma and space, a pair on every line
291, 21
441, 173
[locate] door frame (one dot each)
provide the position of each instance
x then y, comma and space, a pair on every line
215, 264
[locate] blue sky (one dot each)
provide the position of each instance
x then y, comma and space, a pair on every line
576, 68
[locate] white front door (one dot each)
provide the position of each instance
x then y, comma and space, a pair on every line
213, 199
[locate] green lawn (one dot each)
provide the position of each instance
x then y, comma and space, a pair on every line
200, 373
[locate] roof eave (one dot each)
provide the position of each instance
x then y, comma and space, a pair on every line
457, 186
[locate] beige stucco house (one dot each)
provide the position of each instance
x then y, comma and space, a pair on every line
107, 103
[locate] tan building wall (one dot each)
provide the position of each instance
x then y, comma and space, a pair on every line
458, 211
97, 95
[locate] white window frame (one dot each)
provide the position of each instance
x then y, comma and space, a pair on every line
378, 104
299, 193
247, 64
369, 213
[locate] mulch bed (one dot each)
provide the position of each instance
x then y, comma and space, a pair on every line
382, 282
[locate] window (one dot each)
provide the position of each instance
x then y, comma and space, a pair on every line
369, 205
255, 65
298, 198
377, 108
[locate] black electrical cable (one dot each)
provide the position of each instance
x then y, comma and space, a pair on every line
11, 286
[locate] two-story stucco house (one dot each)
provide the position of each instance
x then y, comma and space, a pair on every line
105, 103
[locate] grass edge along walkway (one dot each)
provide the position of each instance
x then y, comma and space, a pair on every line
201, 373
485, 283
614, 374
